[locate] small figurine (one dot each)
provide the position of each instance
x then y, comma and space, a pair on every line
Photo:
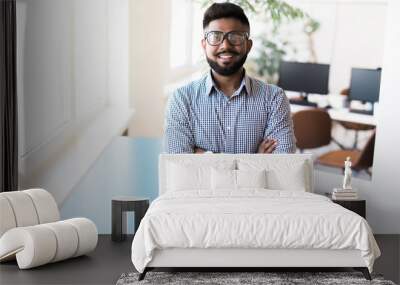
347, 174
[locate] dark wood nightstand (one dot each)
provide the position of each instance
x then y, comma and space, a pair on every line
357, 206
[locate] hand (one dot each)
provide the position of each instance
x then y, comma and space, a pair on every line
267, 146
199, 150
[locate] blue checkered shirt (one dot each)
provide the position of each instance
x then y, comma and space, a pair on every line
200, 115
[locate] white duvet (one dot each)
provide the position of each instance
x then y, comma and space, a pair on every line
253, 218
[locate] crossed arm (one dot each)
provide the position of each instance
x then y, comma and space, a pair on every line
179, 135
266, 146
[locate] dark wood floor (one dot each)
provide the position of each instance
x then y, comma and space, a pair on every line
110, 260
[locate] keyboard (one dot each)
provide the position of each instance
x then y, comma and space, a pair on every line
363, 112
302, 102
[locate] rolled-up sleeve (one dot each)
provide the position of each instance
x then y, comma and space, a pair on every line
280, 124
178, 135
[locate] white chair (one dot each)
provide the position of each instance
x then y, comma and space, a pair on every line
32, 233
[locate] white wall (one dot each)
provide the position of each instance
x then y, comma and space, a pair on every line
383, 192
72, 87
149, 59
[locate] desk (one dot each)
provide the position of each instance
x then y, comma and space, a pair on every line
342, 115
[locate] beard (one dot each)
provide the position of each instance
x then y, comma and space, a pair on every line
227, 70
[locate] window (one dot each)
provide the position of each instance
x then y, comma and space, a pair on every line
180, 18
185, 34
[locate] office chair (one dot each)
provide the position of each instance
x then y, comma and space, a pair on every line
354, 126
362, 160
312, 128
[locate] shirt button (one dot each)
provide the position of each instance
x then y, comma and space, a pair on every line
228, 128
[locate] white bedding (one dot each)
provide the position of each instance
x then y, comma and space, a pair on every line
251, 218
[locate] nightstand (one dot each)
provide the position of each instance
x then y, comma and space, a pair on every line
119, 206
357, 206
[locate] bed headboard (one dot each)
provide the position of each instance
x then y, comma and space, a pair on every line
271, 161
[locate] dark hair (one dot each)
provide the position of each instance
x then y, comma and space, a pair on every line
224, 10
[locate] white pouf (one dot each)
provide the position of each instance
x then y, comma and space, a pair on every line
31, 233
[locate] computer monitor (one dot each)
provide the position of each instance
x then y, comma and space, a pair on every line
304, 78
365, 84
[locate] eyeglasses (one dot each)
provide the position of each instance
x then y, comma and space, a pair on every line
215, 38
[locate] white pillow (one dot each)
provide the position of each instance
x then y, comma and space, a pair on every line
223, 179
251, 178
186, 175
282, 174
182, 178
293, 179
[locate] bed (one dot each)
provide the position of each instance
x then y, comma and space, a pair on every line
246, 211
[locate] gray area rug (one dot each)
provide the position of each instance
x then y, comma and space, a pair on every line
269, 278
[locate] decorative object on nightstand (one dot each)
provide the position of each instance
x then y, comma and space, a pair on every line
122, 204
346, 192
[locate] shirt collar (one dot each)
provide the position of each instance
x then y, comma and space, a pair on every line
245, 82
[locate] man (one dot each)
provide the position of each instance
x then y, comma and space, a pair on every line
226, 111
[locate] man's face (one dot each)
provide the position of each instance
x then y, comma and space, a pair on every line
226, 58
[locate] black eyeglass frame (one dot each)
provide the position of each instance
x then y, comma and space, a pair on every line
226, 36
